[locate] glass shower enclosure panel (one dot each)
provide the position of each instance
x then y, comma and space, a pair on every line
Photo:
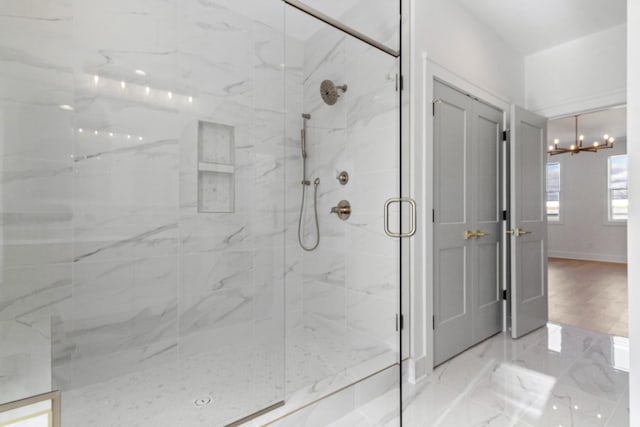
151, 245
142, 200
342, 146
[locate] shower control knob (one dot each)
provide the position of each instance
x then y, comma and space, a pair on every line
343, 177
343, 210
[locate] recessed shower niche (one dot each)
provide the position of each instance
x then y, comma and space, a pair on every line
216, 167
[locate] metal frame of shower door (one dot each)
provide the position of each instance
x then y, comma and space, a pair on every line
342, 27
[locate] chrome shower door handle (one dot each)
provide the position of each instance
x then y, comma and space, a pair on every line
412, 228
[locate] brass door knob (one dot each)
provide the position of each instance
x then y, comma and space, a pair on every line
518, 232
468, 234
480, 233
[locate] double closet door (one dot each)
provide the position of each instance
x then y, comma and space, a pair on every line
467, 221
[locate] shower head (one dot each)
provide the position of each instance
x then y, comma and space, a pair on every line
329, 91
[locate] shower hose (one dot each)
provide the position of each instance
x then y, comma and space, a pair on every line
316, 182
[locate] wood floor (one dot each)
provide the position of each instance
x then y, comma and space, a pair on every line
590, 295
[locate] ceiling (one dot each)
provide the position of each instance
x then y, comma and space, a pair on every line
592, 125
534, 25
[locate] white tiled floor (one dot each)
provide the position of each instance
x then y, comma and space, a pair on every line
557, 376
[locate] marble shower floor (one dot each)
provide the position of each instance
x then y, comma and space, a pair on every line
556, 376
164, 395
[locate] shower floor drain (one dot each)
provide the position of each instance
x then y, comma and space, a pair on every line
203, 401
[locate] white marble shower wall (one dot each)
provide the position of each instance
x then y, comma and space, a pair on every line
343, 297
114, 288
36, 79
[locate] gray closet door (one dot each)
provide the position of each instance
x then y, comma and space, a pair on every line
467, 305
486, 198
452, 217
529, 299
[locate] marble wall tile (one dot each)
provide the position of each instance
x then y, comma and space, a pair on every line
293, 287
373, 316
158, 290
208, 32
346, 323
324, 267
380, 282
29, 294
268, 65
126, 365
268, 278
36, 238
28, 141
123, 304
36, 195
323, 301
31, 185
142, 25
217, 291
381, 21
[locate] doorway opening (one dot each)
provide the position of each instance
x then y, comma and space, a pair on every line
587, 207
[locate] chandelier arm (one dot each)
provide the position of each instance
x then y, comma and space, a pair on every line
578, 147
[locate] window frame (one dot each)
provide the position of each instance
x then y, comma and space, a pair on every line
608, 193
553, 219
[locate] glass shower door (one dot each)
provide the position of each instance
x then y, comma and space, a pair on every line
342, 297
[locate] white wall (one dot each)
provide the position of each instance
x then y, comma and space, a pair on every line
449, 43
583, 74
583, 231
633, 133
457, 41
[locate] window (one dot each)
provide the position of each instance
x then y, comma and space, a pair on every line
617, 189
553, 191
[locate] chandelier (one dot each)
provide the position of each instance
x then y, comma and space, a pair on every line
578, 147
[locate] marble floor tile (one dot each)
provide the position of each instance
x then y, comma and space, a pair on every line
597, 378
571, 407
557, 376
467, 413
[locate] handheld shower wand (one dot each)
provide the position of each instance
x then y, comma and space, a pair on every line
305, 183
303, 136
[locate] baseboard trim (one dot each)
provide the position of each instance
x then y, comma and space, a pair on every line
618, 259
417, 369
